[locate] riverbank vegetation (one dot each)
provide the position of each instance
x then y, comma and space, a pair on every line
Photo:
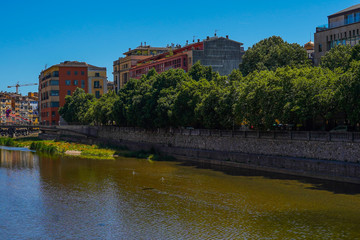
275, 84
53, 147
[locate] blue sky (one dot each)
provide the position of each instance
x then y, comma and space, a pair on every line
36, 33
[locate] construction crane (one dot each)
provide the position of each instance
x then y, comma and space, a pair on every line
22, 85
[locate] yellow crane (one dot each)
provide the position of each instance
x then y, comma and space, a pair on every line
22, 85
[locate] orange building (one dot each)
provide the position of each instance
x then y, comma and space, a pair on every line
58, 81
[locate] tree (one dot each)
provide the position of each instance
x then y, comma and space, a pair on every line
198, 71
349, 93
102, 109
76, 107
338, 57
271, 53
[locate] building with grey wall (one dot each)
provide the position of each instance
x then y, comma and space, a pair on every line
222, 54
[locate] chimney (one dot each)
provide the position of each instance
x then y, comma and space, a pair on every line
215, 34
227, 36
207, 38
187, 42
141, 44
145, 43
129, 49
198, 40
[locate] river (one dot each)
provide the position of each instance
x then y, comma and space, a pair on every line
77, 198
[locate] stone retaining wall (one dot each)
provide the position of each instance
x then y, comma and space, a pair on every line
321, 159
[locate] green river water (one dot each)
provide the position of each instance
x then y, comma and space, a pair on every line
77, 198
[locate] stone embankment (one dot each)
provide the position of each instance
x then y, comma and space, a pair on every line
324, 155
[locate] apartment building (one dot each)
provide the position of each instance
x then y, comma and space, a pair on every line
24, 109
343, 27
221, 53
122, 66
58, 81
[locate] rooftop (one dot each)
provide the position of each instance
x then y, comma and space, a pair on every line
74, 64
346, 10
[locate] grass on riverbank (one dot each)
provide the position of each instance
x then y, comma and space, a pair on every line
53, 147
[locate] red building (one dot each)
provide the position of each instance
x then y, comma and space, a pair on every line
222, 54
178, 58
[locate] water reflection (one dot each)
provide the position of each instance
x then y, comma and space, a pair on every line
316, 184
17, 158
75, 198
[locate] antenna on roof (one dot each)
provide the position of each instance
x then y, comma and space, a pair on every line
194, 38
45, 66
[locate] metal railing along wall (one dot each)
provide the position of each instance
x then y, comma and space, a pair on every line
278, 135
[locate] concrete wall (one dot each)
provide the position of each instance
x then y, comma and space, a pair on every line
326, 150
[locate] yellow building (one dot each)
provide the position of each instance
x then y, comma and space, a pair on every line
97, 81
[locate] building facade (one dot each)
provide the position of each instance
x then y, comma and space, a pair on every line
122, 66
58, 81
23, 109
343, 28
222, 54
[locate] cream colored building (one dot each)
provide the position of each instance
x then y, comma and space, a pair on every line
343, 28
122, 66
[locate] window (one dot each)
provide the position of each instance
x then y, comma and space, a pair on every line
96, 84
54, 82
320, 47
76, 72
54, 104
76, 82
68, 73
97, 94
97, 74
55, 74
67, 82
82, 83
82, 73
68, 92
53, 113
54, 93
125, 77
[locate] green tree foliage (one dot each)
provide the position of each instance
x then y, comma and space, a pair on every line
283, 89
288, 95
102, 109
338, 57
350, 93
272, 53
199, 71
76, 107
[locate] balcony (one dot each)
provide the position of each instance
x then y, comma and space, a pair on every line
98, 86
337, 24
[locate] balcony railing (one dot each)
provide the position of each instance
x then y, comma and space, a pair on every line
336, 24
